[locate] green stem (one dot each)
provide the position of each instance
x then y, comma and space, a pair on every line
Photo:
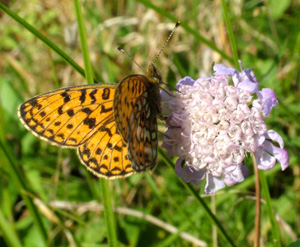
231, 36
108, 211
84, 46
191, 189
17, 178
274, 226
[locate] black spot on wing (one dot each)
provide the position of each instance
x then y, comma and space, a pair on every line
50, 131
61, 135
66, 96
70, 113
104, 109
60, 110
91, 122
92, 161
116, 169
107, 130
82, 96
106, 93
72, 139
117, 148
92, 95
87, 110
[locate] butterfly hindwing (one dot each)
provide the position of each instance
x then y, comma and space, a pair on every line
106, 154
142, 133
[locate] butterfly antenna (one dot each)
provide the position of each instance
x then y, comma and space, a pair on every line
131, 58
163, 47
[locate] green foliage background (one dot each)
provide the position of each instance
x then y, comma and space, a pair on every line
68, 198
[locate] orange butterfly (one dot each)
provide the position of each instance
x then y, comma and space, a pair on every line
114, 128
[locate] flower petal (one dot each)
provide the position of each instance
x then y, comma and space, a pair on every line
280, 154
248, 73
185, 81
233, 176
248, 86
268, 97
264, 160
245, 170
221, 69
213, 184
274, 136
188, 173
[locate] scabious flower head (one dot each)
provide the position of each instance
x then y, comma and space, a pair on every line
215, 122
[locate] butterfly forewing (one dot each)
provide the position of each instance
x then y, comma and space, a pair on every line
126, 95
69, 117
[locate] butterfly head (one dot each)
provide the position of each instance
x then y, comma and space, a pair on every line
153, 74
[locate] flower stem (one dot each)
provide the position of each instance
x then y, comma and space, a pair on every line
257, 203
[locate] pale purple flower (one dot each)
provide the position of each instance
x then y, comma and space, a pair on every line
214, 122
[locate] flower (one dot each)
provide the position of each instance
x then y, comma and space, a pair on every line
214, 122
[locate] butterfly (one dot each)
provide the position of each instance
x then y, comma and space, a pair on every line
112, 126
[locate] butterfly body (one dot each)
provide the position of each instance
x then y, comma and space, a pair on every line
114, 128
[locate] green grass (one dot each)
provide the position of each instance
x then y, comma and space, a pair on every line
47, 198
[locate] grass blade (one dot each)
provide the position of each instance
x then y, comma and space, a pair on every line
84, 46
231, 36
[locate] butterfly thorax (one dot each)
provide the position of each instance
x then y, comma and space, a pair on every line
153, 74
154, 77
